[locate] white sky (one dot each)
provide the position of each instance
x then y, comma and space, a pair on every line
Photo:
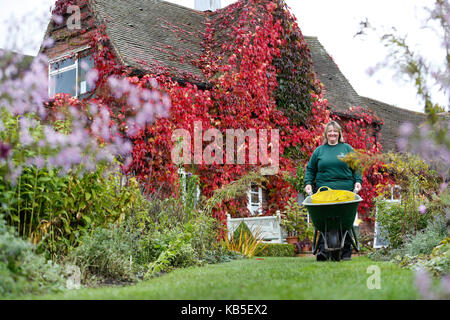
334, 23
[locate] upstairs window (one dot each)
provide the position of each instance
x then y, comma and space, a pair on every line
68, 75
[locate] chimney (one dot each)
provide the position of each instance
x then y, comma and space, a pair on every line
207, 5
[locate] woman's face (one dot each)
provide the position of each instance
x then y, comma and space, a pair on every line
332, 135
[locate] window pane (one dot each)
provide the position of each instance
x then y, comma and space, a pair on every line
84, 65
255, 198
62, 64
64, 83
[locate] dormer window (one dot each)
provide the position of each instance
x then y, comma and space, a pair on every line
68, 75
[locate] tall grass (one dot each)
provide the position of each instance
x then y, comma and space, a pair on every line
247, 244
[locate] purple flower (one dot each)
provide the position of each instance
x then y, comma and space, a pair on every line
402, 143
406, 129
58, 19
4, 150
423, 283
48, 43
422, 209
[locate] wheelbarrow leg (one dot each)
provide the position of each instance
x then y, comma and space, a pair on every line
315, 240
355, 244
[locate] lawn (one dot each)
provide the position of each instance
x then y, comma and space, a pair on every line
265, 279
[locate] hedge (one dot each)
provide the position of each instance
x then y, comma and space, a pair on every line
277, 250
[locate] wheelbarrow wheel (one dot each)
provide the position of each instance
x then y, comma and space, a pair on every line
335, 255
334, 243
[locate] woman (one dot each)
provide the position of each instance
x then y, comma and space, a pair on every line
325, 169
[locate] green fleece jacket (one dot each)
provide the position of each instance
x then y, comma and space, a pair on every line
325, 169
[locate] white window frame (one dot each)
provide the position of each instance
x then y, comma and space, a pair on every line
254, 208
66, 55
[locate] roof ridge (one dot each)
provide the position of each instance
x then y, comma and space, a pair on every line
388, 104
183, 7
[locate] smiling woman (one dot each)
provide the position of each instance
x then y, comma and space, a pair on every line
325, 169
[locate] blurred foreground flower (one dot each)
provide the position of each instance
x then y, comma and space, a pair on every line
424, 283
422, 209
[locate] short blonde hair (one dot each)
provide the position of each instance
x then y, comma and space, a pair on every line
336, 127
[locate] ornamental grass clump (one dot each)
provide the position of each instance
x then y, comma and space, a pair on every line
246, 243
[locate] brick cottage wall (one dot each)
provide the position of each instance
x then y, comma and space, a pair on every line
66, 40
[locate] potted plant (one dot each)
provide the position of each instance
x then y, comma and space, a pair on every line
306, 238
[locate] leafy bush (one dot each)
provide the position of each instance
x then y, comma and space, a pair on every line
398, 221
106, 254
22, 271
54, 211
149, 242
423, 242
390, 216
423, 250
277, 250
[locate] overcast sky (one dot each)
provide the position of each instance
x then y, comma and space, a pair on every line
334, 23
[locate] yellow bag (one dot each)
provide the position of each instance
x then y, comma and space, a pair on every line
331, 196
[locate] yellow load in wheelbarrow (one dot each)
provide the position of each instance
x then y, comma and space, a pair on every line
332, 196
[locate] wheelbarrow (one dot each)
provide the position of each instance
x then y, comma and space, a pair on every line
335, 222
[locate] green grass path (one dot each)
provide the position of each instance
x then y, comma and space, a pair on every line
270, 278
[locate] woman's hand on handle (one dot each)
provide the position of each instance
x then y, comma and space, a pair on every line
358, 187
308, 189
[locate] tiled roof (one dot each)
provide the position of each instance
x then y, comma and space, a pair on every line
393, 117
150, 34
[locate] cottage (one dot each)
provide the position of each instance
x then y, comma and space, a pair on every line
158, 37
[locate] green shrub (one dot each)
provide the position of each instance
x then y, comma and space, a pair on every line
277, 250
149, 243
106, 254
423, 242
22, 271
398, 221
54, 211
